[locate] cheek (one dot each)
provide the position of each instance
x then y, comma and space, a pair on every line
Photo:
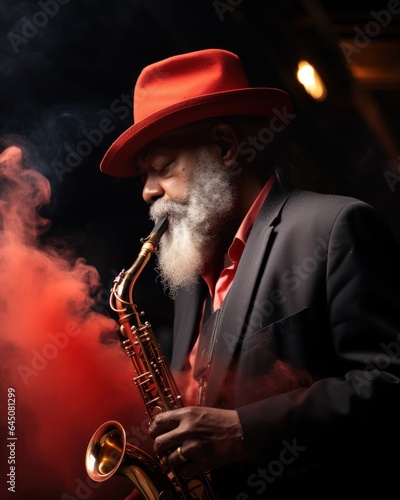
177, 189
178, 186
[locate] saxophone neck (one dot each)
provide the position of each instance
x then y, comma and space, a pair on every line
149, 247
121, 295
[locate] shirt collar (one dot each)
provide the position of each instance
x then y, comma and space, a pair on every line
239, 241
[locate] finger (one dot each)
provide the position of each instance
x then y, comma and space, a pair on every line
165, 444
182, 457
177, 458
164, 422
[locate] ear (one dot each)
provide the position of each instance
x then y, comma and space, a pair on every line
225, 138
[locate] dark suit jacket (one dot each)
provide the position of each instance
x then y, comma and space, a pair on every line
308, 346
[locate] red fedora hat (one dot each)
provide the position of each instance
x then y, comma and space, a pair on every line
181, 90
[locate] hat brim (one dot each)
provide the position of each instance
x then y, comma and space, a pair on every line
119, 160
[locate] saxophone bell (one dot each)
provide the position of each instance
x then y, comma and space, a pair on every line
109, 454
105, 451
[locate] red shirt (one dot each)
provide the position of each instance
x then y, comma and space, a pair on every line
219, 289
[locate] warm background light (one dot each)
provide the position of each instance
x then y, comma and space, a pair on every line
310, 79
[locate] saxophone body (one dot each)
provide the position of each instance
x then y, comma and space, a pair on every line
108, 451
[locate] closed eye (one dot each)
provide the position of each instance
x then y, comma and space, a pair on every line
164, 169
161, 170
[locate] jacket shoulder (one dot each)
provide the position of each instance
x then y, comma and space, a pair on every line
314, 206
311, 199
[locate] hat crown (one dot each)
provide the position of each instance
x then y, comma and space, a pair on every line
184, 89
186, 76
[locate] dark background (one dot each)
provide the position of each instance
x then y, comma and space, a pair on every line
65, 66
64, 71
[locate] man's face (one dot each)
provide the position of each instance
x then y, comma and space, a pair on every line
191, 185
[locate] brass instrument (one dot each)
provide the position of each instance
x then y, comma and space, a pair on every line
108, 452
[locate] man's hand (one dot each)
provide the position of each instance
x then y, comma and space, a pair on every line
208, 438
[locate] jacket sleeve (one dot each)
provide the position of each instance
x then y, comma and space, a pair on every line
357, 404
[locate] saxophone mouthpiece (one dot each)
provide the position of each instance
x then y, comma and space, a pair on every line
161, 226
157, 231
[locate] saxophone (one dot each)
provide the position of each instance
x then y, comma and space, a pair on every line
108, 451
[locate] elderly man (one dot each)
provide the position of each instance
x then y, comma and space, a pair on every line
286, 300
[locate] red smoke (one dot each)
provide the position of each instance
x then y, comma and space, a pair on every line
66, 381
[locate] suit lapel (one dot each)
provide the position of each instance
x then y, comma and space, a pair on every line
238, 300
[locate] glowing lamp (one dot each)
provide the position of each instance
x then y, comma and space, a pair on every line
310, 79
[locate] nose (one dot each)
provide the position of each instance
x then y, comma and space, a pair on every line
152, 190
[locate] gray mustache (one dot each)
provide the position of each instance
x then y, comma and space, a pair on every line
170, 208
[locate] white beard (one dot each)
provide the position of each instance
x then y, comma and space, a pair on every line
195, 226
